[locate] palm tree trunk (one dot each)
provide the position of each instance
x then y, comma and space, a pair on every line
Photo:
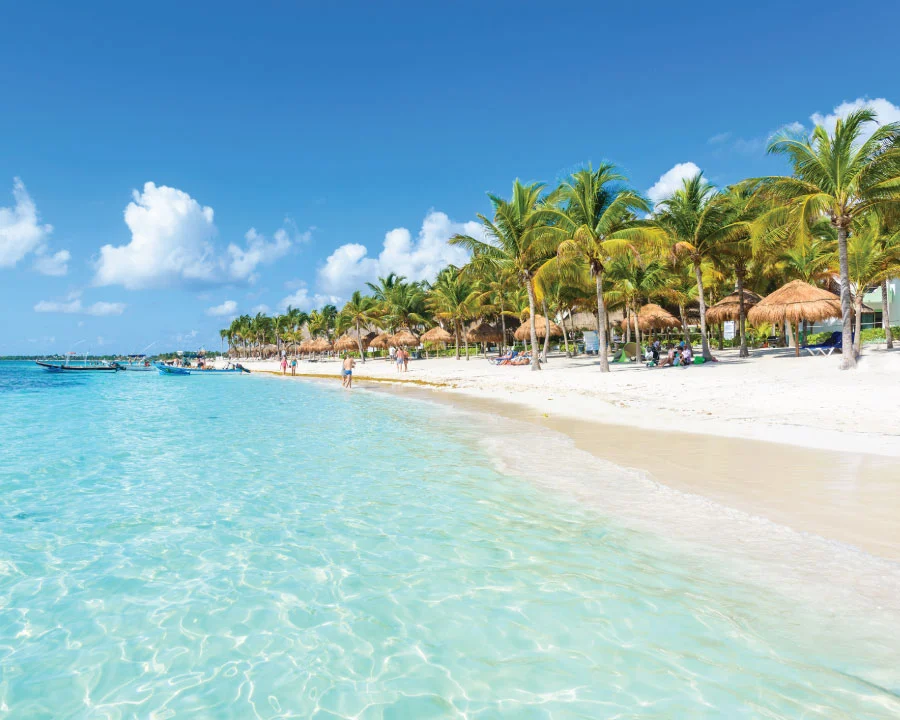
742, 315
456, 332
721, 332
547, 328
685, 333
707, 355
858, 303
502, 330
562, 319
886, 316
797, 340
466, 341
627, 324
637, 330
601, 324
362, 355
848, 359
535, 360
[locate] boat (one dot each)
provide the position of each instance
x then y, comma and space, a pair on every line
172, 370
135, 363
85, 366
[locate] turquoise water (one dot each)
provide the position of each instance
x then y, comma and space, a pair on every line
245, 547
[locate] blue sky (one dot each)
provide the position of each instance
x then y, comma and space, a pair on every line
178, 160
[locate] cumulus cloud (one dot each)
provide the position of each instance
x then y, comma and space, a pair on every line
73, 305
229, 307
242, 262
671, 180
56, 264
304, 300
171, 242
418, 259
21, 233
887, 112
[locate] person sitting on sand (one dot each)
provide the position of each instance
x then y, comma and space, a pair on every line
347, 370
670, 357
687, 356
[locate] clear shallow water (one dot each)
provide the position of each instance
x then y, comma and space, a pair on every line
244, 547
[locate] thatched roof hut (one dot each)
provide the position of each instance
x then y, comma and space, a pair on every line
437, 334
380, 341
346, 342
653, 317
320, 345
404, 338
729, 307
305, 346
484, 332
794, 302
540, 325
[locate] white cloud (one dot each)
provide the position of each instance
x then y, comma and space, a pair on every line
887, 112
261, 308
349, 266
243, 262
171, 242
21, 231
671, 180
73, 305
719, 139
229, 307
302, 299
56, 264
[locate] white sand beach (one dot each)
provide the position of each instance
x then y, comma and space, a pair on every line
792, 440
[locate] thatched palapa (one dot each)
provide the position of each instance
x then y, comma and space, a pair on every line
320, 345
404, 338
540, 325
437, 334
795, 302
484, 332
652, 317
380, 342
729, 307
346, 342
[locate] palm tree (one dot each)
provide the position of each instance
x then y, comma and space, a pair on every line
360, 311
597, 216
872, 257
695, 219
840, 177
517, 241
634, 281
317, 324
454, 297
496, 285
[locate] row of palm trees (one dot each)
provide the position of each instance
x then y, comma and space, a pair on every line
594, 243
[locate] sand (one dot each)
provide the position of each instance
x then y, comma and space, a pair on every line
792, 440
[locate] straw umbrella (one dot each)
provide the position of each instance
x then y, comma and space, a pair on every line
380, 342
436, 335
793, 303
729, 308
404, 338
345, 342
484, 333
540, 326
321, 345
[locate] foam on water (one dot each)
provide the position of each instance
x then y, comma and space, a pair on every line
241, 547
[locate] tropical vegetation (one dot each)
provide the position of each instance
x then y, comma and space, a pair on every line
591, 251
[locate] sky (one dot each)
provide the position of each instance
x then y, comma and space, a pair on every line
166, 167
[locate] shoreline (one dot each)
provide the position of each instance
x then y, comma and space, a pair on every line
852, 498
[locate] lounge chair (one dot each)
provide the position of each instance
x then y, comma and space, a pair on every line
504, 359
832, 343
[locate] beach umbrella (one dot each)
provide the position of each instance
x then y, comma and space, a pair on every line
380, 341
793, 303
346, 342
436, 335
404, 338
729, 307
540, 324
484, 333
320, 345
653, 317
305, 346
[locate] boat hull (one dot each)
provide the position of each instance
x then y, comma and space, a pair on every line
55, 367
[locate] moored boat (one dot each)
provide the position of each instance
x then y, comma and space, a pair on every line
65, 367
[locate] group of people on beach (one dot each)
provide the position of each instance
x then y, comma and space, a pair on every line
680, 355
401, 358
284, 364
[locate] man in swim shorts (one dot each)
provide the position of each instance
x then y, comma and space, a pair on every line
347, 371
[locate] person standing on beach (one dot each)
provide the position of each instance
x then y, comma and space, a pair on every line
406, 361
283, 365
293, 366
347, 371
392, 352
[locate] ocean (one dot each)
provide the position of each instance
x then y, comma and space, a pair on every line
251, 547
